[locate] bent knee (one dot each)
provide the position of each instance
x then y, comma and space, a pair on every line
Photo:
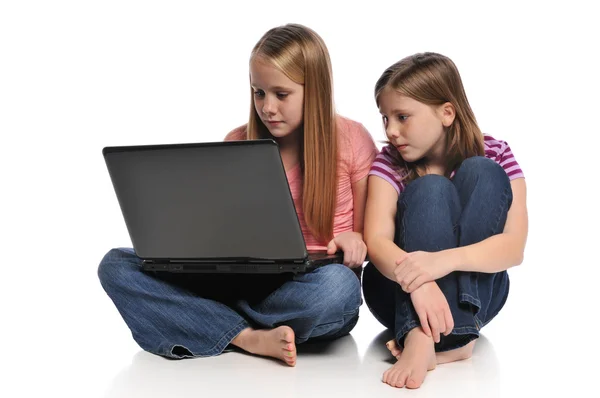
116, 264
429, 187
480, 165
338, 275
340, 285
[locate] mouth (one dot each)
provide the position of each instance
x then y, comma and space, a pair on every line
401, 147
273, 122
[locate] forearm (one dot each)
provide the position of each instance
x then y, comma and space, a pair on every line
494, 254
383, 253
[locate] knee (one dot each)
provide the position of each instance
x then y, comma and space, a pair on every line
478, 166
115, 266
427, 189
426, 200
340, 287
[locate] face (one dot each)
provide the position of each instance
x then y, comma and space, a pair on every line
416, 130
278, 100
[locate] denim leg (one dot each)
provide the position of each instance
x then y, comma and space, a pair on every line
322, 304
428, 213
436, 214
486, 196
166, 317
379, 294
426, 219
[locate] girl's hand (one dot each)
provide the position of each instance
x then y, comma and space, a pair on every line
351, 243
433, 310
417, 268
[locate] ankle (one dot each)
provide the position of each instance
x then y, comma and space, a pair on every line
467, 351
416, 334
242, 337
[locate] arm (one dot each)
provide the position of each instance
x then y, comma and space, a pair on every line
380, 225
351, 242
429, 301
494, 254
359, 194
499, 252
358, 153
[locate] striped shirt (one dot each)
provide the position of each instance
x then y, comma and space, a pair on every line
385, 165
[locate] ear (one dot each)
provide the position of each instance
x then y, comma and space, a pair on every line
447, 113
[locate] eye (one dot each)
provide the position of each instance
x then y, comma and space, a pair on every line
385, 120
402, 118
282, 95
259, 93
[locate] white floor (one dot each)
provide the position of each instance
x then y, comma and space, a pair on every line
351, 366
74, 343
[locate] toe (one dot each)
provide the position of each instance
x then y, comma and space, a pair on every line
384, 378
401, 378
412, 383
415, 379
288, 335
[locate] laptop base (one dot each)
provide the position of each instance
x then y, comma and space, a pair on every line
318, 260
237, 268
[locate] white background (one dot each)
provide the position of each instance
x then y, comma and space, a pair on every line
76, 76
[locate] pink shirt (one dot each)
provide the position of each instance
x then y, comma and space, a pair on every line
356, 151
496, 150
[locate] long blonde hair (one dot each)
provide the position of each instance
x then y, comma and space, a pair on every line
301, 54
433, 79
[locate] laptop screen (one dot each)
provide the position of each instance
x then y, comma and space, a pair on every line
226, 200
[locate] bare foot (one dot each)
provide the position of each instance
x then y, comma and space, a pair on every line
441, 357
412, 366
277, 343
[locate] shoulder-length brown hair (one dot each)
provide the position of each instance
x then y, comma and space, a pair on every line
433, 79
302, 56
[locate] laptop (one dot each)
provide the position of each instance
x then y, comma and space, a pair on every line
219, 207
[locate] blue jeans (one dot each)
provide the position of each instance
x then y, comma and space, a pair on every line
197, 315
435, 213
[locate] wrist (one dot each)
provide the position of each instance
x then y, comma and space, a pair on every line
424, 286
360, 235
455, 259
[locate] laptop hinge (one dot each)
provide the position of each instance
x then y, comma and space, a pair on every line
216, 260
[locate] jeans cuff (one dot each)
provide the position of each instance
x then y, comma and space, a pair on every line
217, 349
407, 327
459, 337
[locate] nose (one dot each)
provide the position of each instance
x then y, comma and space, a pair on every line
268, 105
392, 131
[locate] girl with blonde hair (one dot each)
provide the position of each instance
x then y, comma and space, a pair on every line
326, 158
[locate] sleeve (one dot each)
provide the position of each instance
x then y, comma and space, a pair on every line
505, 158
363, 153
383, 167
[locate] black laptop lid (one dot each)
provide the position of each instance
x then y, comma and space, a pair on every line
213, 201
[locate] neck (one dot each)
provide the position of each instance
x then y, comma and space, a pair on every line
435, 169
436, 158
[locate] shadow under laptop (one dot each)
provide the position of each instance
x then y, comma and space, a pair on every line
320, 365
475, 377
